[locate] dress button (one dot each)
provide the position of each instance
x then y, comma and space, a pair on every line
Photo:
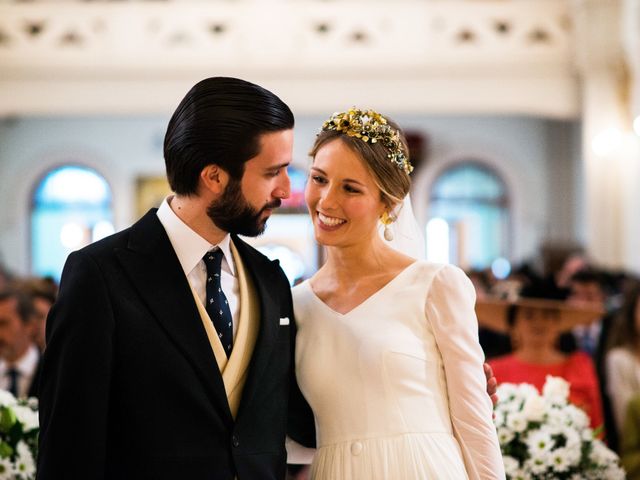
235, 441
356, 448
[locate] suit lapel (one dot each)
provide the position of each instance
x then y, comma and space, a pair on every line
263, 279
154, 269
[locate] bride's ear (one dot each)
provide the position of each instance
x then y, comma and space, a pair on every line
390, 210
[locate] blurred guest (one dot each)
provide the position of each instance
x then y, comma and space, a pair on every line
630, 447
556, 283
494, 343
43, 293
535, 326
525, 275
623, 360
586, 289
5, 277
19, 357
480, 282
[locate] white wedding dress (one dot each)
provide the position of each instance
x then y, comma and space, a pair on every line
396, 384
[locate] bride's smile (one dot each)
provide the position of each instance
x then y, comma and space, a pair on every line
327, 221
342, 197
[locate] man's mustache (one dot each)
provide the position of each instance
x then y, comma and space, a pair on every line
271, 205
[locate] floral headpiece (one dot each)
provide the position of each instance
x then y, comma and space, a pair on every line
370, 127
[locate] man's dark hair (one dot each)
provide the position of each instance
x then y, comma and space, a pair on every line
24, 304
219, 121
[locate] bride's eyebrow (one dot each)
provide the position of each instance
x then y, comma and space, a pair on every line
351, 180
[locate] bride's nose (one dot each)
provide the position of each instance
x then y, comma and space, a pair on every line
328, 198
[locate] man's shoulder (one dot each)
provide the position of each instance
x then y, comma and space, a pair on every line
107, 244
147, 227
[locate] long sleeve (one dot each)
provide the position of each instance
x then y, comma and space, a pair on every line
450, 311
620, 382
76, 373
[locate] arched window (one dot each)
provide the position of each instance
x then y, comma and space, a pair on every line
468, 217
71, 207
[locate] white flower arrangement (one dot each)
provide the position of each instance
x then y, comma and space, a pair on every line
545, 437
19, 430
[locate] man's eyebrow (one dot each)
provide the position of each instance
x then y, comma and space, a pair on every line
278, 167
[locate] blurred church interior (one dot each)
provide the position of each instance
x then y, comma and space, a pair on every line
520, 114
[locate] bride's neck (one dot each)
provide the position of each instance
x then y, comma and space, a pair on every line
359, 260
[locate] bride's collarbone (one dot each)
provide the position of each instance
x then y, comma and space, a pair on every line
343, 294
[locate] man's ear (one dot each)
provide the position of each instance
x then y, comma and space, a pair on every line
214, 179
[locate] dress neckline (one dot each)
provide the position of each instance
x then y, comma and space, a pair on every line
366, 300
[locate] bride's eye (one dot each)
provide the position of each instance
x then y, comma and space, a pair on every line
318, 179
351, 189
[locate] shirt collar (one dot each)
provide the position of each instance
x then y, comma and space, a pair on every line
188, 245
26, 365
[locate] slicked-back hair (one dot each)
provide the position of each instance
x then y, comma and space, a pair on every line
219, 121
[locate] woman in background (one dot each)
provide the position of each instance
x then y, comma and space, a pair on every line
623, 360
535, 326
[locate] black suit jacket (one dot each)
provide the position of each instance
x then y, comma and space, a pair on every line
130, 387
35, 381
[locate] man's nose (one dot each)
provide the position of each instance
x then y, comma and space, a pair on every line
283, 189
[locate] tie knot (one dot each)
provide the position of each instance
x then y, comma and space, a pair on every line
213, 261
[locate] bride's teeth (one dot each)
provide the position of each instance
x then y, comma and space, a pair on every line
330, 221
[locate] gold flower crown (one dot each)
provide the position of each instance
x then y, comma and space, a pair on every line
370, 127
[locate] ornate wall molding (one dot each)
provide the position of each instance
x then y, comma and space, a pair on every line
415, 45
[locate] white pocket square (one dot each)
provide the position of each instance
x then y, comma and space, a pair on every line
284, 321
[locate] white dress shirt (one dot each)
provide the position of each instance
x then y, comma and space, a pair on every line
26, 367
190, 248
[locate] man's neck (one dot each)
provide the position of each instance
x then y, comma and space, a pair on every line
193, 212
17, 357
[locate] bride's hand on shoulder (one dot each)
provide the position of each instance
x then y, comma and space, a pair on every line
492, 384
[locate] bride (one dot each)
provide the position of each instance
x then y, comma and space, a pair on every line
387, 349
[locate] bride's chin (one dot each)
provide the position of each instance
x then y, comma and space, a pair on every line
321, 237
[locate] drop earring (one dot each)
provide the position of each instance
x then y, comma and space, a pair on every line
387, 221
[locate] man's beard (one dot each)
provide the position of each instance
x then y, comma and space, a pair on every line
232, 213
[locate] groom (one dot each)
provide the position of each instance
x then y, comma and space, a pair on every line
171, 347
